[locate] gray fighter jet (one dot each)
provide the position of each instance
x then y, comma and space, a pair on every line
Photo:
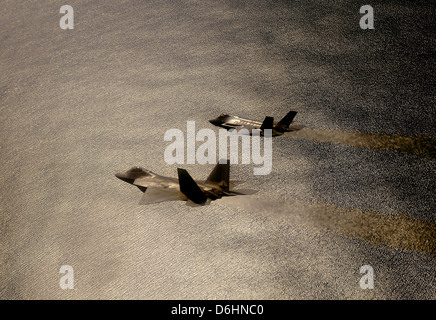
158, 188
278, 128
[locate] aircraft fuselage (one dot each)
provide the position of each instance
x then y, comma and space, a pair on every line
234, 122
158, 188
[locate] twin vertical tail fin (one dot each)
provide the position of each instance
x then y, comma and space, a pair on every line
287, 120
220, 175
268, 123
190, 188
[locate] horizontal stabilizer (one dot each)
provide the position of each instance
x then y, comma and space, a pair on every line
241, 192
158, 194
190, 188
234, 183
190, 203
296, 127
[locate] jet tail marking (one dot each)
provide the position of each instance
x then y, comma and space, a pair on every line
287, 120
190, 188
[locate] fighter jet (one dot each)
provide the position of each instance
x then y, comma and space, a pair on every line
278, 128
158, 188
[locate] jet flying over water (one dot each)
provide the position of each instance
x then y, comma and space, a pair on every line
158, 188
278, 128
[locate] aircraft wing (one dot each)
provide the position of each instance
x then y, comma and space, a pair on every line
268, 123
140, 182
158, 194
249, 128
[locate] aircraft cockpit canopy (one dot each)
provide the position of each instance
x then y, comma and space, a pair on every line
139, 170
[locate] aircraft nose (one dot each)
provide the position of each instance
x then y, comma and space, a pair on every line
215, 122
124, 177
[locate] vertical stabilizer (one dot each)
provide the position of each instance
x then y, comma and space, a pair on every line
287, 120
190, 188
220, 175
268, 123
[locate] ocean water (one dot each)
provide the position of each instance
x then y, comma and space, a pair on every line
77, 106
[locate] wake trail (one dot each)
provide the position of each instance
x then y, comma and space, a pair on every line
423, 146
397, 231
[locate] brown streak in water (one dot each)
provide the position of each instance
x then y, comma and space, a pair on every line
422, 146
396, 231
